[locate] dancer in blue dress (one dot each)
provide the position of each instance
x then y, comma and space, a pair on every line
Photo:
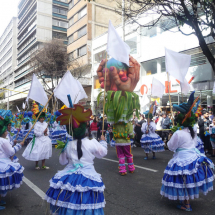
78, 189
11, 173
189, 172
150, 141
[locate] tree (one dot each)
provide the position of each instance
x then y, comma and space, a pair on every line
199, 15
50, 63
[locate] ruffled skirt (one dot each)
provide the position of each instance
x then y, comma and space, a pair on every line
152, 143
11, 175
75, 194
58, 135
42, 149
200, 145
186, 175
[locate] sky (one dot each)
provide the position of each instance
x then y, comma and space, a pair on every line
8, 9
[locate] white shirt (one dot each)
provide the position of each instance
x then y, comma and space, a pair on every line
182, 139
6, 150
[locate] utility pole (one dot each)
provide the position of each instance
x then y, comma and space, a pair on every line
123, 20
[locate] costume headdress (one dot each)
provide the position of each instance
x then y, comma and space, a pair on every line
3, 128
148, 114
187, 115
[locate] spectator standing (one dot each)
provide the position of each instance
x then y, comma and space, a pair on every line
100, 124
212, 137
159, 127
94, 128
204, 123
137, 129
165, 124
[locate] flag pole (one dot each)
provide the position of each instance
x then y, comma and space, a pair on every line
170, 103
38, 116
104, 96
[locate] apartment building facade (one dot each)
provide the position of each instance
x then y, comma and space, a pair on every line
8, 52
87, 20
39, 21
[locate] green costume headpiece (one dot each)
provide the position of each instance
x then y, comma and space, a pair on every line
148, 115
80, 131
3, 128
43, 115
7, 121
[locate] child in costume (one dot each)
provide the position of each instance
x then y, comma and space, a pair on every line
11, 173
189, 171
78, 189
9, 137
40, 148
150, 141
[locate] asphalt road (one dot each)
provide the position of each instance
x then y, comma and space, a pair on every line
133, 194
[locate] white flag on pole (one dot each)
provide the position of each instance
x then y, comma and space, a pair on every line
36, 92
157, 88
185, 87
177, 64
23, 106
18, 109
116, 47
69, 86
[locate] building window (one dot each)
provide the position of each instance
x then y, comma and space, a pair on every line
82, 31
60, 23
82, 51
71, 39
71, 4
99, 56
60, 11
132, 44
150, 67
71, 21
71, 56
59, 35
82, 12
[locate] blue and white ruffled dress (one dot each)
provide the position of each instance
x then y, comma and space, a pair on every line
78, 189
58, 133
151, 142
11, 173
188, 173
200, 145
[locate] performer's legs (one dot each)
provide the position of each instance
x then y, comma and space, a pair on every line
121, 156
129, 156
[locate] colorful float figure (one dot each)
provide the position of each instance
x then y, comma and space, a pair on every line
120, 103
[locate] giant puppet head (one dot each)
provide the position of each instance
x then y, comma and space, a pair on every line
119, 77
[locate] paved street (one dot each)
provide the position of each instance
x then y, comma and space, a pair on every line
136, 193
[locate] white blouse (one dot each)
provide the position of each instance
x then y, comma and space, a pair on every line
152, 127
6, 150
182, 139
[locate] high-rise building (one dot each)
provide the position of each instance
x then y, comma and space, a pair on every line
87, 20
39, 21
8, 58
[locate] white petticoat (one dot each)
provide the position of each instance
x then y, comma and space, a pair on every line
42, 149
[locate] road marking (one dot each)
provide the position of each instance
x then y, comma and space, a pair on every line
34, 187
140, 167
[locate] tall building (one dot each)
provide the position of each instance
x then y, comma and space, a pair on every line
87, 20
38, 21
8, 50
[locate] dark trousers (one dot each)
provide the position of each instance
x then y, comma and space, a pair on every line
206, 141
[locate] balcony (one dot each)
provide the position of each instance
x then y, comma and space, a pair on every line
60, 3
23, 23
30, 6
27, 46
25, 36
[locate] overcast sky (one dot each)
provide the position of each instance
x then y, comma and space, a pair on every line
8, 9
